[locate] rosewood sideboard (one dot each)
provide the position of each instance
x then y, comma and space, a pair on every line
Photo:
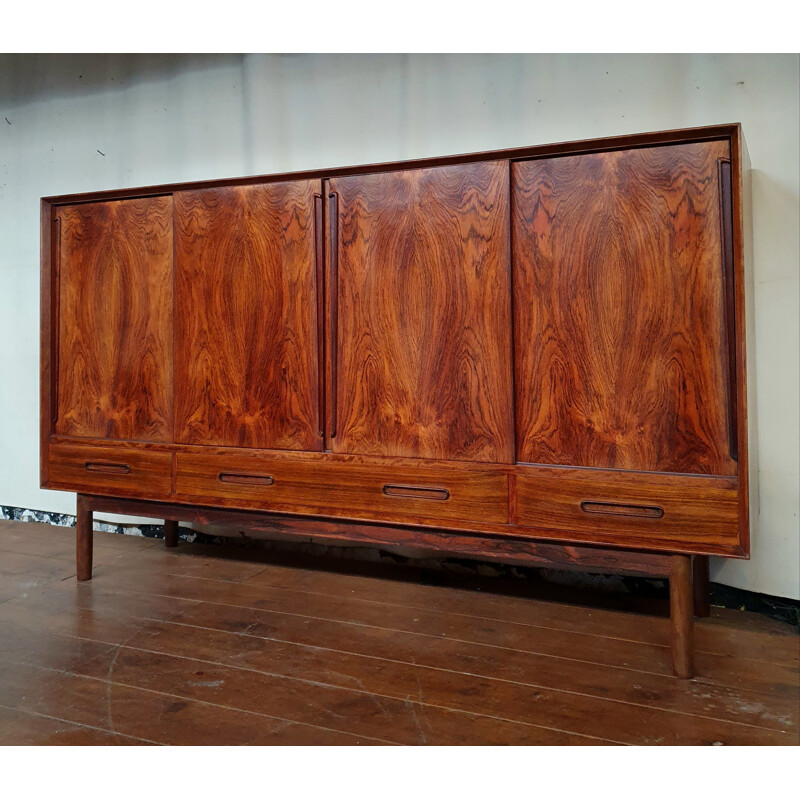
535, 356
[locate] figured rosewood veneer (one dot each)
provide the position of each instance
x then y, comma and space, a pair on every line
245, 325
534, 354
113, 273
620, 297
642, 509
395, 491
125, 472
423, 311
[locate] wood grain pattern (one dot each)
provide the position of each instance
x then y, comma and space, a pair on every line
695, 509
424, 331
505, 550
619, 310
114, 300
48, 310
744, 301
131, 472
679, 569
729, 288
693, 519
599, 145
375, 628
700, 586
546, 503
681, 616
352, 490
246, 367
84, 539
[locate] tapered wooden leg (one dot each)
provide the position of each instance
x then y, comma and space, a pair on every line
700, 581
681, 616
170, 533
83, 539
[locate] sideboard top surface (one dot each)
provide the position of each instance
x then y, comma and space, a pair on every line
731, 131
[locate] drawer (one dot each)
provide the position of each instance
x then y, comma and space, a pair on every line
123, 471
631, 508
322, 487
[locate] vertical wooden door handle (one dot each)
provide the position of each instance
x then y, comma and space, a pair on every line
333, 208
319, 248
54, 321
729, 289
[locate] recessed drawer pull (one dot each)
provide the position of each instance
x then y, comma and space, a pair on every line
247, 480
622, 509
416, 492
103, 466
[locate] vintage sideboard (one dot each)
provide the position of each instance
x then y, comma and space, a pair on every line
536, 356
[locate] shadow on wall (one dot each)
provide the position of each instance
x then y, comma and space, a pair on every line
38, 77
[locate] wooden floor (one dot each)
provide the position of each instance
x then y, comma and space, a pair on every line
218, 645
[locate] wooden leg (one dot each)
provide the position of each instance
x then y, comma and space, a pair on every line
170, 533
681, 617
702, 607
83, 539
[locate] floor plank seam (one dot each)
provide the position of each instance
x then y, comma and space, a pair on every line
78, 724
261, 714
250, 647
665, 673
399, 697
388, 630
664, 620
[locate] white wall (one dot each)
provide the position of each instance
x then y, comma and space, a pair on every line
159, 119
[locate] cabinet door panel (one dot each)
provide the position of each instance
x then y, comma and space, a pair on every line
619, 310
423, 314
114, 370
246, 342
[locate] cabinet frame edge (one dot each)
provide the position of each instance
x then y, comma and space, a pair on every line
745, 340
579, 147
47, 330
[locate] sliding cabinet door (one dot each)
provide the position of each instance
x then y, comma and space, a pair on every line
623, 304
246, 369
113, 298
420, 311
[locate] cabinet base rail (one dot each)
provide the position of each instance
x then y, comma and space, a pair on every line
687, 575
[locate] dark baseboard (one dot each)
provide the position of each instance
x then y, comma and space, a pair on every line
482, 574
780, 608
68, 520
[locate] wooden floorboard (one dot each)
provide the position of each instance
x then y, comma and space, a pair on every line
710, 638
203, 645
542, 671
23, 727
581, 641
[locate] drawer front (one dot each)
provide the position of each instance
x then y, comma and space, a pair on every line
630, 508
326, 488
123, 471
